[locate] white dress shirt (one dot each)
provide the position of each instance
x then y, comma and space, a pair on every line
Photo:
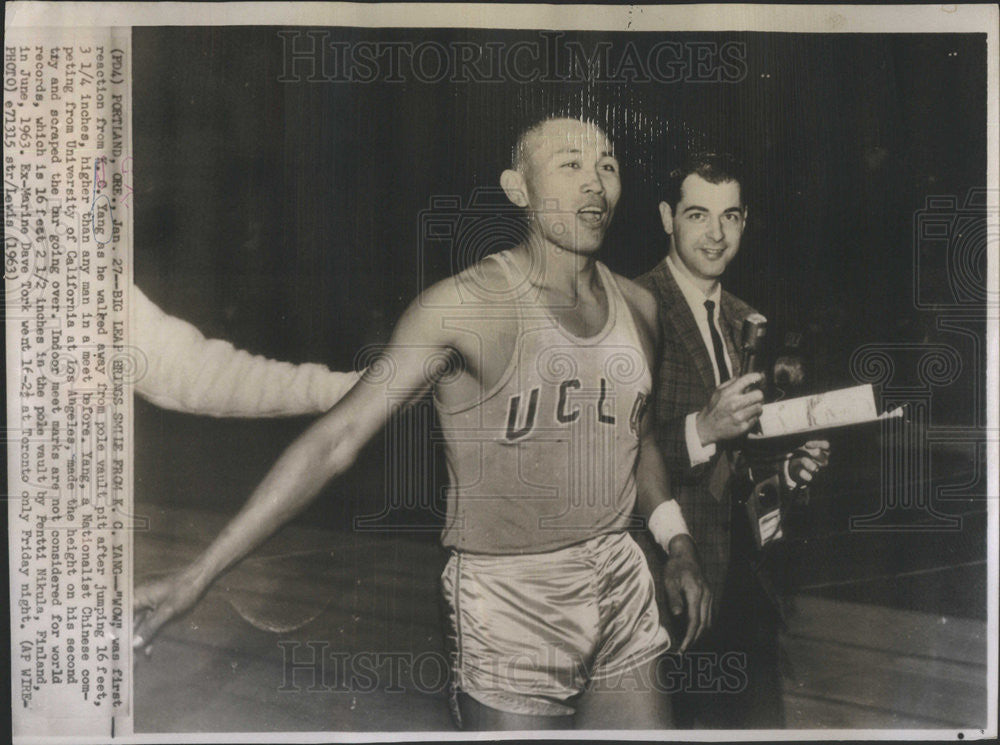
698, 453
695, 298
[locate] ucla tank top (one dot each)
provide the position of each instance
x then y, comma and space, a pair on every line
546, 457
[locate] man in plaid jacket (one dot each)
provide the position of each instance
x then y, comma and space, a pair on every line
704, 404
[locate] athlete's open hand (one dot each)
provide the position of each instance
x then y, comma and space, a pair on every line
159, 601
686, 588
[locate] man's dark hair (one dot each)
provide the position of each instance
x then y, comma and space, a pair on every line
715, 168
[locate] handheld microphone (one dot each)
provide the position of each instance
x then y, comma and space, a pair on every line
754, 329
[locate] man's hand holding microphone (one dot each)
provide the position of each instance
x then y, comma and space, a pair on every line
733, 409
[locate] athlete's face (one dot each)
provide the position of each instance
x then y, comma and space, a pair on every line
706, 226
571, 183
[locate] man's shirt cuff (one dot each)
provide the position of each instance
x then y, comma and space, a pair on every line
697, 452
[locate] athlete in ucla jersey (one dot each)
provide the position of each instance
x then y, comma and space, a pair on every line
538, 360
546, 457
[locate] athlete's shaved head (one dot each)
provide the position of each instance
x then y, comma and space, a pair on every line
531, 135
565, 176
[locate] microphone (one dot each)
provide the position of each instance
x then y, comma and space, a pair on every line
754, 329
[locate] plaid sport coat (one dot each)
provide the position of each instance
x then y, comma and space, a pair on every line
684, 383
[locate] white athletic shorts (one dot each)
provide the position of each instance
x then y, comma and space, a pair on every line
527, 633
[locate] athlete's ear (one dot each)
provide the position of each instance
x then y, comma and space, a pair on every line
667, 218
513, 186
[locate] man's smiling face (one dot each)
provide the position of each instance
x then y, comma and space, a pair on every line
705, 227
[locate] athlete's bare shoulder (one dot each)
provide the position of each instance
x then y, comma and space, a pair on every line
471, 288
482, 284
472, 313
468, 311
640, 300
485, 282
483, 291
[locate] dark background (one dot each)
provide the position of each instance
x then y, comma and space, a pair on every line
286, 218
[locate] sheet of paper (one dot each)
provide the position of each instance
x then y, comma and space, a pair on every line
827, 410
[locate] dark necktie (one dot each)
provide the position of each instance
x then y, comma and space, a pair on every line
720, 351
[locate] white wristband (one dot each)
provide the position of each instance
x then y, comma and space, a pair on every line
666, 522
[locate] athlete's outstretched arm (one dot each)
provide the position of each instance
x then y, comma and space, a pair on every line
325, 450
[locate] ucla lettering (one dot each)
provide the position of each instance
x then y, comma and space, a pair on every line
567, 412
515, 402
638, 409
561, 415
601, 416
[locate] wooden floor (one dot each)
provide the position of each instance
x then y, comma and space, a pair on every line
358, 614
856, 665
